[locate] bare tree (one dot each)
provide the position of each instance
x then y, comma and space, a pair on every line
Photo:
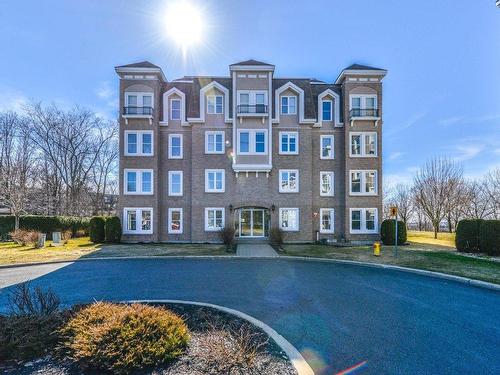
402, 197
477, 201
492, 189
433, 184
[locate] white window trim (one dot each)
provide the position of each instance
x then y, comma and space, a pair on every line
252, 141
215, 104
363, 229
166, 106
332, 156
215, 133
252, 95
138, 212
171, 109
288, 106
363, 144
139, 134
140, 98
332, 218
170, 136
363, 100
209, 229
207, 190
296, 171
169, 229
138, 181
298, 220
170, 193
331, 109
296, 135
363, 182
332, 188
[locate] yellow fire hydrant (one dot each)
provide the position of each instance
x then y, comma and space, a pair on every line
376, 249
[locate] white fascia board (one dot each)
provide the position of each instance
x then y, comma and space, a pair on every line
381, 73
141, 70
262, 68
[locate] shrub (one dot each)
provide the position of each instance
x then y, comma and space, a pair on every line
25, 300
388, 232
113, 229
66, 236
276, 237
96, 229
25, 237
121, 338
467, 236
489, 237
227, 236
7, 224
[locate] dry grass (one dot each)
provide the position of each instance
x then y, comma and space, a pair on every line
444, 239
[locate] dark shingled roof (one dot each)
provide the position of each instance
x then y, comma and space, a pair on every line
251, 62
361, 67
142, 64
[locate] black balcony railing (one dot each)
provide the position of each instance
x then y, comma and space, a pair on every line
146, 111
366, 112
254, 108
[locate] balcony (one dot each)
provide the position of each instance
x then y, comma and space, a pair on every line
364, 114
138, 112
252, 110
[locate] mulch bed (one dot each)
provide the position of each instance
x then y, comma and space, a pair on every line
211, 350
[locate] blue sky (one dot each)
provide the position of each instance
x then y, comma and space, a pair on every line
441, 95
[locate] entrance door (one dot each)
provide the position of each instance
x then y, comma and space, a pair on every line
245, 223
251, 222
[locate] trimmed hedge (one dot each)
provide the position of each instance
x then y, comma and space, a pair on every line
96, 229
44, 224
467, 236
388, 232
113, 229
489, 237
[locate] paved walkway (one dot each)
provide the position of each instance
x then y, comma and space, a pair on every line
336, 315
255, 250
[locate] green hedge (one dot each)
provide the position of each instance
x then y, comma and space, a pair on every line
96, 229
113, 229
489, 237
44, 224
388, 232
467, 236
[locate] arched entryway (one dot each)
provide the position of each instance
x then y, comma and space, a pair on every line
252, 222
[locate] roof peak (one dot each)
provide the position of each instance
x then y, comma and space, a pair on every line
141, 64
361, 67
251, 62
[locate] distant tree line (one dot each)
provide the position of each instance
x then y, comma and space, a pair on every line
55, 161
440, 196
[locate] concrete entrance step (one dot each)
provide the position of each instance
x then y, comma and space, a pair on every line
255, 250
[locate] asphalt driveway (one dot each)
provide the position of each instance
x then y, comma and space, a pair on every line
337, 315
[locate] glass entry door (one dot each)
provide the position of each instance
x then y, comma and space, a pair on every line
252, 222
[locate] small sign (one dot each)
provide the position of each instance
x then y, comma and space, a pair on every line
394, 211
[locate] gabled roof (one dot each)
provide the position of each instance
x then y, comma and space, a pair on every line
142, 64
361, 67
251, 62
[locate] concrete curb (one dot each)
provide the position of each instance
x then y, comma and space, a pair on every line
440, 275
298, 362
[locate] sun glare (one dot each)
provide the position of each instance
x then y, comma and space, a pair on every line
184, 24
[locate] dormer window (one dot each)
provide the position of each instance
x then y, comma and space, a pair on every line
175, 109
327, 110
288, 105
214, 104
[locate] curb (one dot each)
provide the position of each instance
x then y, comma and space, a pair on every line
439, 275
298, 362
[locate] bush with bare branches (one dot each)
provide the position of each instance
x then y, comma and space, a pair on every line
25, 237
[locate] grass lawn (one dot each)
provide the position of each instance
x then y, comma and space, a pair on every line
413, 256
12, 253
444, 239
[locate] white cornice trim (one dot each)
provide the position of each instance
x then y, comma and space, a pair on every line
166, 95
370, 72
142, 70
262, 68
336, 105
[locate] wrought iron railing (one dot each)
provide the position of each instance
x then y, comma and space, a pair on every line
146, 111
366, 112
252, 108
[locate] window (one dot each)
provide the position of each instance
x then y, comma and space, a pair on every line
252, 142
363, 144
288, 105
175, 146
327, 110
138, 181
174, 220
214, 104
214, 219
214, 180
363, 182
214, 142
289, 219
138, 220
326, 184
175, 186
147, 101
363, 105
252, 102
327, 216
175, 109
289, 143
327, 147
364, 220
289, 181
138, 143
138, 103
